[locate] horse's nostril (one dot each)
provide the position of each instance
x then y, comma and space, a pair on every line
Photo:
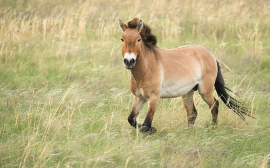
125, 61
132, 61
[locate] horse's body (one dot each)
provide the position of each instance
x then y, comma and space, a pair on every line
182, 70
158, 73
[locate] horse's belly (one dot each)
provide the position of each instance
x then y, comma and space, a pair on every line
176, 89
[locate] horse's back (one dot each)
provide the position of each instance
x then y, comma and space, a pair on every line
190, 56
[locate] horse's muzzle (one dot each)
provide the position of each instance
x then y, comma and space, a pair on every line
129, 63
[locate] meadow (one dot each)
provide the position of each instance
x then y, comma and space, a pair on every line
64, 96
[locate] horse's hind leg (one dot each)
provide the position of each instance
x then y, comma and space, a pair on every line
207, 95
190, 108
213, 104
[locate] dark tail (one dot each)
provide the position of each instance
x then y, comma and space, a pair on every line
237, 106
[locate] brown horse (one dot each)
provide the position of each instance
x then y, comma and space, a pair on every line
158, 73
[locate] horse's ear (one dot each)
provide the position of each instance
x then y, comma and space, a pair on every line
122, 25
140, 26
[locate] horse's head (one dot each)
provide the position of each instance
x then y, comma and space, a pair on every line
131, 43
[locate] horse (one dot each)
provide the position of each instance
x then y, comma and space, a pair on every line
169, 73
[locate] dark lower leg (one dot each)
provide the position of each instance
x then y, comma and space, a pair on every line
213, 105
190, 108
192, 117
132, 119
136, 107
147, 124
214, 112
148, 120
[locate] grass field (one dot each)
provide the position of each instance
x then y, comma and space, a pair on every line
64, 97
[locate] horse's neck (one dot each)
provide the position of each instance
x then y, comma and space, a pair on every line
142, 69
139, 72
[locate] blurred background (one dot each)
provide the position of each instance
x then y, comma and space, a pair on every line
64, 89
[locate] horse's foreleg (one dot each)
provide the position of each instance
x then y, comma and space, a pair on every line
136, 107
147, 124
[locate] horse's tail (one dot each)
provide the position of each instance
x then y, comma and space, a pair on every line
230, 102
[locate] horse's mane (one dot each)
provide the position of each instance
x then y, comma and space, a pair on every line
146, 33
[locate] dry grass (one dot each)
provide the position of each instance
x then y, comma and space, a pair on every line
64, 90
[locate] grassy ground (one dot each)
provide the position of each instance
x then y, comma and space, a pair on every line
64, 90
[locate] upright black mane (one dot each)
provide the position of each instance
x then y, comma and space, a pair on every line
146, 33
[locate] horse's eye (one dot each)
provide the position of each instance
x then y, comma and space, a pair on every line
139, 40
122, 39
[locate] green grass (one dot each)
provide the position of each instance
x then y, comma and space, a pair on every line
64, 97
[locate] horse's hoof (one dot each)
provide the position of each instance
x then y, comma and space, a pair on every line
148, 130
